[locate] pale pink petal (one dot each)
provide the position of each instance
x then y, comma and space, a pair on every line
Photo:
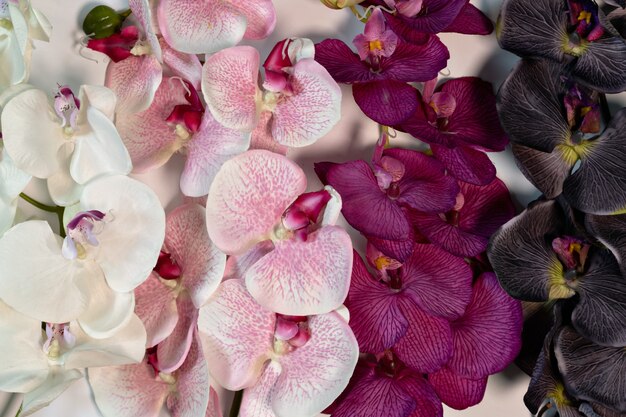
316, 283
186, 66
188, 241
200, 27
150, 140
192, 384
143, 13
312, 110
211, 146
248, 197
236, 266
230, 86
174, 349
128, 391
156, 307
260, 15
214, 409
256, 399
315, 374
134, 81
262, 137
237, 335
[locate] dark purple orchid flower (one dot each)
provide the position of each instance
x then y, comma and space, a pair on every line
574, 33
410, 19
379, 73
466, 228
558, 140
375, 199
118, 45
459, 120
539, 256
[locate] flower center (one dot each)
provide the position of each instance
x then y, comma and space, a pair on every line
187, 118
291, 333
302, 216
166, 267
584, 21
82, 232
66, 106
388, 364
583, 110
58, 339
572, 252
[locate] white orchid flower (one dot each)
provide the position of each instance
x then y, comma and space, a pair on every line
69, 141
43, 363
112, 244
19, 25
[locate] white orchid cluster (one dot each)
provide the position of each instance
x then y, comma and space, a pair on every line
244, 290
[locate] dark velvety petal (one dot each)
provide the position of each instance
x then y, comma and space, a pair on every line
611, 231
376, 318
427, 404
427, 343
456, 391
533, 29
546, 171
599, 186
399, 250
440, 283
466, 164
488, 336
530, 108
388, 102
538, 323
475, 120
415, 63
486, 208
601, 66
600, 314
343, 65
521, 252
436, 15
588, 410
424, 185
365, 206
470, 21
590, 371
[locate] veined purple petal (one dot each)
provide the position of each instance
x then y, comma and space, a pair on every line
415, 63
388, 102
426, 402
456, 391
466, 164
341, 62
435, 16
470, 21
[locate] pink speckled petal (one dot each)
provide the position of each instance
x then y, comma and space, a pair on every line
248, 197
186, 66
155, 304
128, 391
236, 266
260, 15
192, 383
150, 140
209, 148
200, 27
315, 374
143, 14
188, 241
237, 335
313, 109
316, 284
214, 409
134, 81
230, 86
262, 137
174, 349
256, 400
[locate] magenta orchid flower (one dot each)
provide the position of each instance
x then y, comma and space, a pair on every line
258, 196
460, 121
176, 121
186, 275
288, 365
206, 27
379, 73
299, 102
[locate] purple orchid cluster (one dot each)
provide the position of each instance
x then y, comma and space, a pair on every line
564, 254
431, 320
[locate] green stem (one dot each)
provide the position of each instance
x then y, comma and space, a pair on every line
234, 408
50, 209
20, 410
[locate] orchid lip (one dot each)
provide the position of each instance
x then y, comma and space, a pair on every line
82, 232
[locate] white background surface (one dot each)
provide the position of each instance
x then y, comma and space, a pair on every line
60, 62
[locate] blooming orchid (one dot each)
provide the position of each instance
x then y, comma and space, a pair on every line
299, 103
111, 246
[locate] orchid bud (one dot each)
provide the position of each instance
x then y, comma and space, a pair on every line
102, 22
340, 4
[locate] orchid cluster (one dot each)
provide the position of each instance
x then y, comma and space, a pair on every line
564, 254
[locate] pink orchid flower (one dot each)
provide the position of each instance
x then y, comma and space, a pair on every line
140, 59
299, 103
288, 365
183, 280
258, 196
176, 121
204, 27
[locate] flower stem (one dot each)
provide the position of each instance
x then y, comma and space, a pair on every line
355, 12
234, 408
20, 410
50, 209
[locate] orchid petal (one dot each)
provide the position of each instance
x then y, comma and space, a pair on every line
260, 16
14, 69
317, 284
156, 307
248, 197
470, 21
135, 81
186, 66
238, 265
456, 391
230, 87
611, 231
546, 171
63, 189
388, 102
256, 400
57, 382
262, 137
98, 97
343, 65
466, 164
174, 349
598, 67
142, 11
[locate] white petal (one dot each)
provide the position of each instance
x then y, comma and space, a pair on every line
58, 381
41, 282
99, 97
13, 69
63, 189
